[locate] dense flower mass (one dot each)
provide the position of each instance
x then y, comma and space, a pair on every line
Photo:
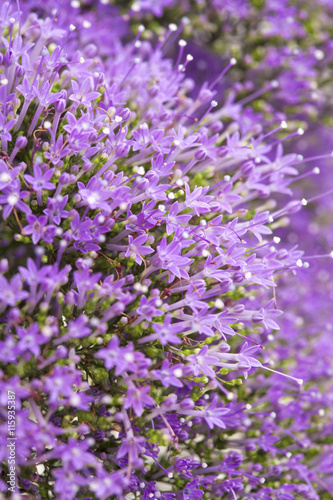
147, 256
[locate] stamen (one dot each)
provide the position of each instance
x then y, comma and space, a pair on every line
232, 62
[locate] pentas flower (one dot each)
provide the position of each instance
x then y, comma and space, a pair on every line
140, 268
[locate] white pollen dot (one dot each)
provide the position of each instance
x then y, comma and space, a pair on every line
300, 157
180, 182
316, 170
47, 125
141, 28
171, 196
4, 81
262, 480
321, 412
106, 130
5, 177
138, 44
319, 54
182, 43
189, 57
205, 253
12, 20
161, 208
173, 27
284, 124
204, 465
276, 239
248, 406
233, 61
72, 27
304, 202
227, 178
248, 275
118, 119
288, 454
75, 3
178, 372
270, 337
82, 59
86, 24
299, 263
300, 131
170, 475
123, 205
12, 199
214, 104
274, 84
219, 304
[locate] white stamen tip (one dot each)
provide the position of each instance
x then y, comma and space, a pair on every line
276, 239
173, 27
284, 124
72, 27
319, 55
214, 104
304, 202
182, 43
274, 84
233, 61
300, 131
189, 57
316, 170
299, 263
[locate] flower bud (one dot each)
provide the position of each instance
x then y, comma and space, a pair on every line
21, 142
200, 154
60, 106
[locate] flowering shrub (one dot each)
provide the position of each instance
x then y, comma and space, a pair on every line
140, 257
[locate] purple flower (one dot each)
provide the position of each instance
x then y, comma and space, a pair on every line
81, 94
40, 179
137, 398
39, 229
136, 248
11, 291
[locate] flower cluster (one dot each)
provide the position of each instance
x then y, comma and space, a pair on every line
143, 233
